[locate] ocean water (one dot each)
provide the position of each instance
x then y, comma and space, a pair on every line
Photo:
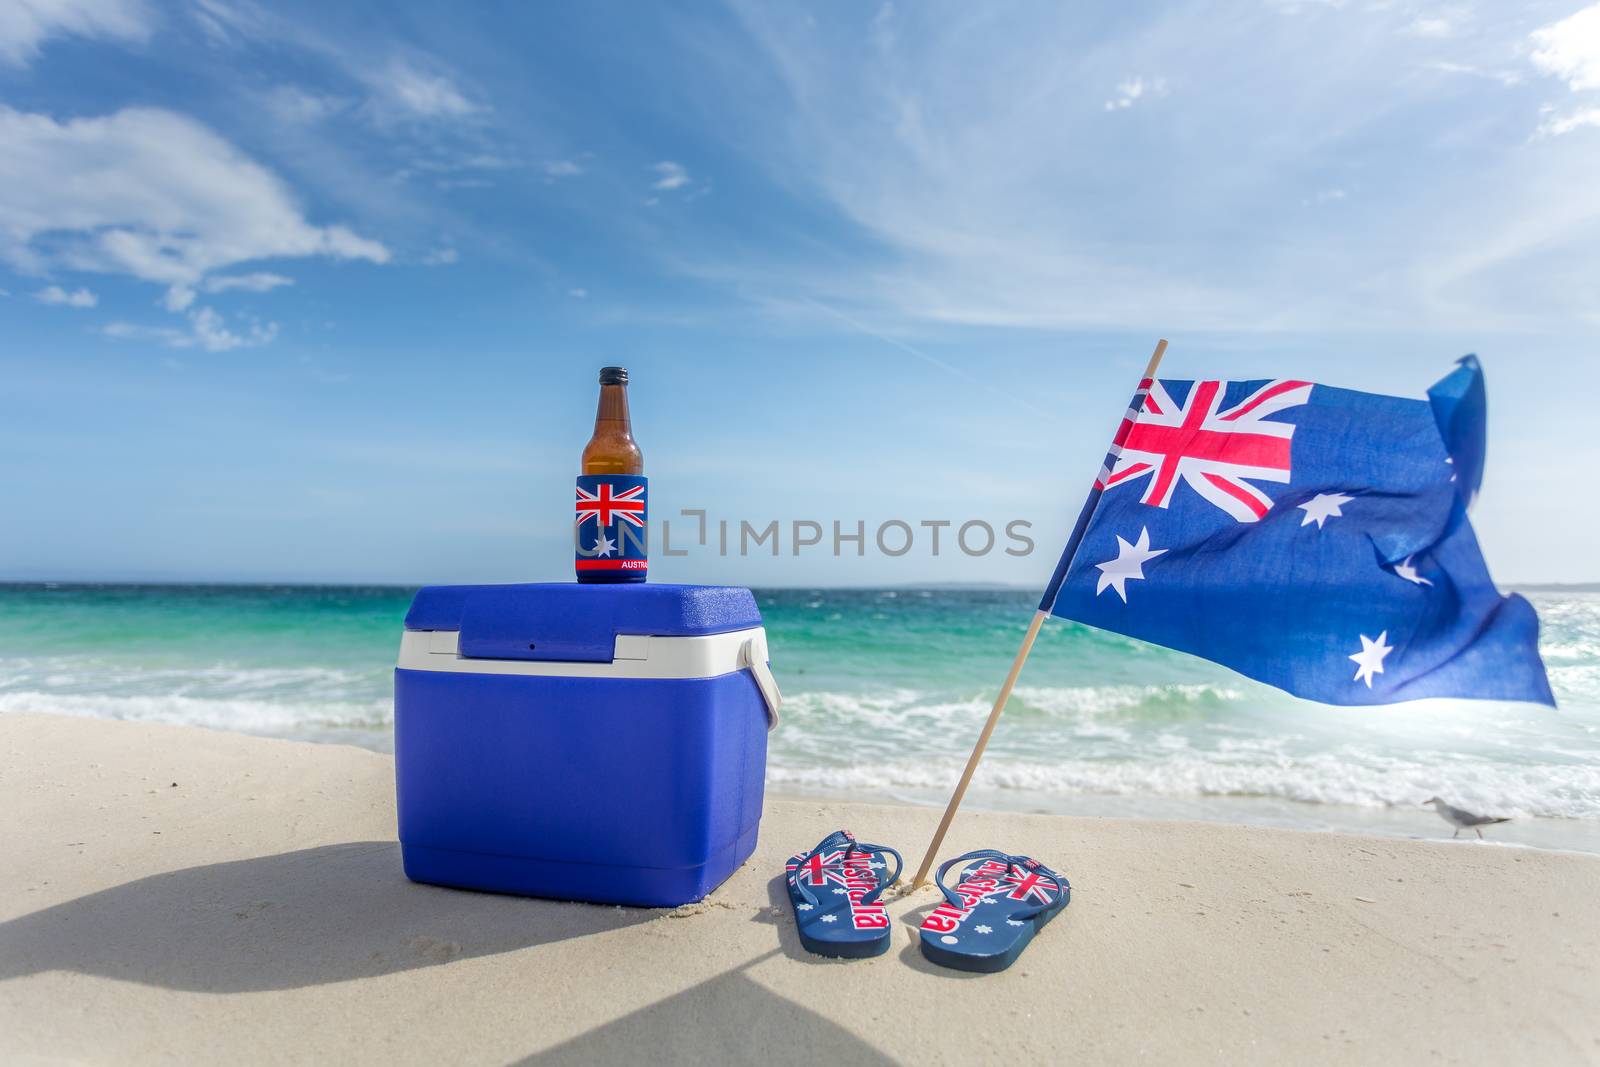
885, 692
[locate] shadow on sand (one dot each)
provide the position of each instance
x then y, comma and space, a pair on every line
729, 1019
296, 919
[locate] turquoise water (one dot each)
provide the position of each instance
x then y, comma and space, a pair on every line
885, 693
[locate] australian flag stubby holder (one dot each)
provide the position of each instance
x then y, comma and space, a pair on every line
610, 542
1310, 537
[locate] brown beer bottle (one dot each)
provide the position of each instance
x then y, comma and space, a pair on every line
612, 449
610, 540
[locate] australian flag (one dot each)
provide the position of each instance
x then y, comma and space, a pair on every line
1310, 537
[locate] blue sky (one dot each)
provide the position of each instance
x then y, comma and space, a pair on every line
318, 292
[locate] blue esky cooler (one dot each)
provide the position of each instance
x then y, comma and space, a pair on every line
600, 743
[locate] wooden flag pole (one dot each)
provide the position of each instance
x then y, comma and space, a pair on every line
1027, 646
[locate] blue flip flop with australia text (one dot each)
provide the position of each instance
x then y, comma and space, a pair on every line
1001, 902
835, 890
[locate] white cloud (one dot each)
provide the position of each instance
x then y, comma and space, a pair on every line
26, 24
258, 282
1505, 77
128, 331
212, 335
78, 298
441, 257
292, 105
670, 175
562, 168
1432, 26
1570, 49
208, 329
178, 297
1133, 90
1556, 125
223, 23
1324, 196
403, 89
578, 293
148, 193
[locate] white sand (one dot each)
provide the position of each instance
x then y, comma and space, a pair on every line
256, 912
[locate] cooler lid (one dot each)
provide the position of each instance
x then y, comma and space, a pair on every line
573, 622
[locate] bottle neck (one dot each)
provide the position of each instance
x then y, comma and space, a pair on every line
613, 407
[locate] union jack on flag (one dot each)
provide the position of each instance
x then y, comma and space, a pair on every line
606, 509
1216, 450
1357, 580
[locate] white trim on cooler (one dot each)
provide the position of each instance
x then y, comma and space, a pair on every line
635, 656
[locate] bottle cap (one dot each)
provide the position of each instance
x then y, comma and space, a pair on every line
613, 375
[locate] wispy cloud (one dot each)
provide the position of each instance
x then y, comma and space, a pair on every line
77, 298
1555, 125
993, 194
257, 282
26, 24
1431, 26
212, 334
1504, 75
670, 175
562, 168
179, 297
405, 90
400, 86
296, 105
207, 329
1133, 90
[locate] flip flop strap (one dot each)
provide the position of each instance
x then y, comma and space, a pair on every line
827, 844
975, 854
1012, 863
880, 850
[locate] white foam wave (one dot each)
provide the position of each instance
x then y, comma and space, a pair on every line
1060, 701
248, 716
1571, 791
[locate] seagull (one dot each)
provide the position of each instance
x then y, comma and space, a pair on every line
1461, 820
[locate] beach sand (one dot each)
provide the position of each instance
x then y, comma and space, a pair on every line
176, 894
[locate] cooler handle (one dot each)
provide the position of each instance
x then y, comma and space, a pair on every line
753, 657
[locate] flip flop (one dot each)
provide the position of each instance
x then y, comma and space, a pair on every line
835, 889
989, 918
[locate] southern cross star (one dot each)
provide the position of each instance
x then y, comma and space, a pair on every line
1129, 564
984, 929
804, 907
1014, 922
839, 892
1320, 508
1409, 573
830, 918
1369, 660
